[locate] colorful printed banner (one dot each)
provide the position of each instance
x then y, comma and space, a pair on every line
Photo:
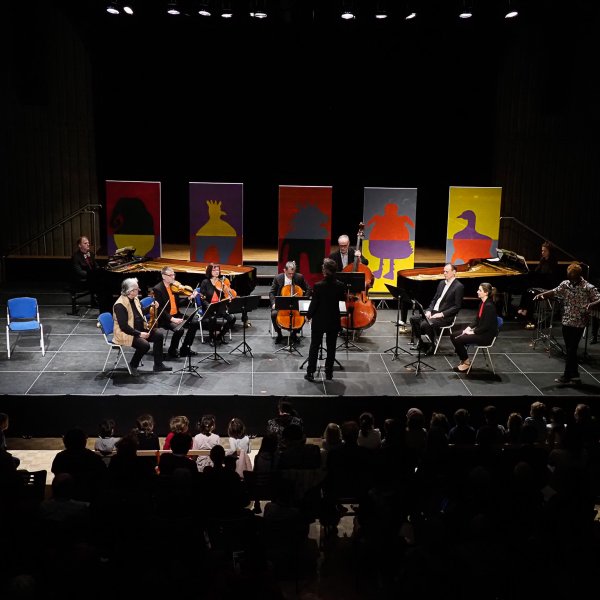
389, 245
216, 222
304, 229
473, 223
133, 213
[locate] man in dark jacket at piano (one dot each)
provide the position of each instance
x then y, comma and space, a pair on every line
442, 309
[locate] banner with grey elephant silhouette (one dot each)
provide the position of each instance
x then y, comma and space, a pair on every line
133, 213
473, 223
216, 222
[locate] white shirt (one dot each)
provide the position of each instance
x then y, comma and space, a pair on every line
448, 283
344, 259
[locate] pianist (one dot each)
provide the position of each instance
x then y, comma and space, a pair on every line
442, 309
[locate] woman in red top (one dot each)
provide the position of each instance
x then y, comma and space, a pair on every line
483, 329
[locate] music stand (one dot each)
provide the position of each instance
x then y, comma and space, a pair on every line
288, 304
243, 304
400, 295
187, 366
354, 281
419, 364
212, 312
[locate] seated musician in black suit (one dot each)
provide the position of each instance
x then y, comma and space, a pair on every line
442, 309
289, 276
346, 254
84, 267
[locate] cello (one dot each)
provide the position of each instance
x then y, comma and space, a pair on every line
290, 319
362, 314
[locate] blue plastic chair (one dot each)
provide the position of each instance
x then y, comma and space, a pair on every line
486, 350
22, 314
106, 325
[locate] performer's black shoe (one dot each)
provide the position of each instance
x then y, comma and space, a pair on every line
279, 339
328, 375
594, 341
134, 371
309, 376
187, 352
161, 367
173, 354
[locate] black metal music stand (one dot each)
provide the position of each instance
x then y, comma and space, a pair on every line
400, 295
288, 304
187, 367
243, 304
354, 283
423, 339
418, 364
544, 324
212, 312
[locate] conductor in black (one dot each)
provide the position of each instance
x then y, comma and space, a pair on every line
324, 316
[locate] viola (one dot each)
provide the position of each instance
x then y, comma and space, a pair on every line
362, 314
290, 319
224, 288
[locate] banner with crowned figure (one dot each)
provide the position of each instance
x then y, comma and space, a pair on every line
473, 223
133, 214
216, 222
304, 229
389, 245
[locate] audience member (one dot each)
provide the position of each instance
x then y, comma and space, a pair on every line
181, 444
556, 427
206, 440
462, 432
295, 453
87, 468
4, 422
491, 432
106, 442
368, 436
332, 437
537, 418
267, 458
128, 471
238, 440
179, 424
514, 428
147, 439
286, 415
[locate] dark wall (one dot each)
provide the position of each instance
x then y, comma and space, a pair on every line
303, 98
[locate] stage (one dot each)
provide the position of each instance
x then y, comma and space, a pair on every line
44, 395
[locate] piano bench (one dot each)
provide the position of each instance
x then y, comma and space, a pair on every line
76, 294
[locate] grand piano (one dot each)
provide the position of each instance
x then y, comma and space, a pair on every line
506, 272
243, 279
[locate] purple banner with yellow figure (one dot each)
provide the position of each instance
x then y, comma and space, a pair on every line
473, 223
304, 229
389, 244
133, 213
216, 222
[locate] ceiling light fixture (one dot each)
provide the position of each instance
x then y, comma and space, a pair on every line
204, 10
112, 8
467, 11
511, 12
172, 8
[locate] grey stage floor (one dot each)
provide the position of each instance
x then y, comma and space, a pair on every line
76, 352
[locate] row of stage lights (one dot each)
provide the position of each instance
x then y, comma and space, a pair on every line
258, 9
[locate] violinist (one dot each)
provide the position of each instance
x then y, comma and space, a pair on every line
346, 254
214, 289
171, 297
288, 277
131, 328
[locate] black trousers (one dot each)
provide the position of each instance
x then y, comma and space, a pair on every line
460, 341
572, 337
220, 324
316, 338
157, 337
422, 327
190, 333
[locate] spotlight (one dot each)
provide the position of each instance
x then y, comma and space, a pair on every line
112, 8
511, 12
467, 11
127, 9
259, 9
172, 8
347, 11
380, 11
204, 10
410, 15
226, 10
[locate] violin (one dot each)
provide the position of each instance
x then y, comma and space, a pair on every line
361, 311
179, 288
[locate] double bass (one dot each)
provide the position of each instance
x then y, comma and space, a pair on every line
362, 314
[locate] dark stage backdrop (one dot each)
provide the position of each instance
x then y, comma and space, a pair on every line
302, 98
